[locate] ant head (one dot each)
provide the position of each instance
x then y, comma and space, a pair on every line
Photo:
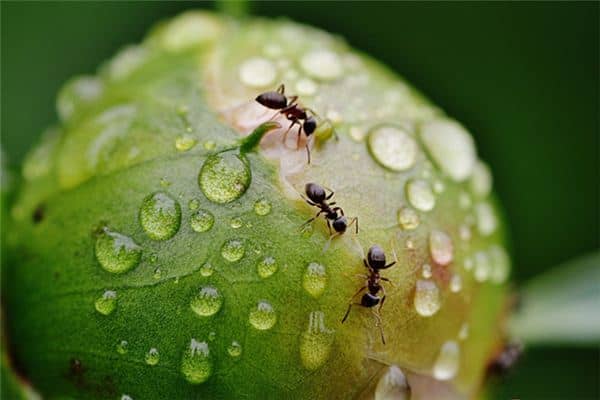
309, 126
376, 257
340, 224
315, 192
272, 100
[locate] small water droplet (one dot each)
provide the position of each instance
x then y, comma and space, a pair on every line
236, 222
409, 244
185, 142
266, 267
419, 194
408, 218
486, 219
481, 180
207, 302
441, 248
500, 264
196, 363
115, 252
157, 274
160, 216
306, 87
483, 267
316, 341
126, 397
123, 347
207, 269
234, 349
446, 364
464, 232
233, 250
193, 204
106, 303
468, 264
257, 72
315, 279
392, 385
152, 357
426, 271
358, 133
262, 207
164, 182
224, 177
322, 64
202, 221
393, 147
210, 145
463, 334
427, 298
455, 283
263, 317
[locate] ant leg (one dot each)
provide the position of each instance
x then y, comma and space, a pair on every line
298, 137
307, 153
388, 281
281, 89
329, 227
338, 209
352, 221
284, 138
310, 110
395, 258
333, 203
311, 220
388, 265
353, 304
307, 200
379, 324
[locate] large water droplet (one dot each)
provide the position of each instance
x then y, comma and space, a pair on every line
115, 252
234, 349
207, 302
419, 194
263, 317
123, 347
446, 364
393, 147
408, 218
106, 303
224, 177
316, 341
196, 363
481, 180
266, 267
152, 357
207, 269
451, 146
392, 386
441, 248
233, 250
202, 221
257, 72
315, 279
322, 64
160, 216
486, 219
262, 207
185, 142
427, 298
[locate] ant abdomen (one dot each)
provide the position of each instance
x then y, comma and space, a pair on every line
369, 300
376, 257
315, 192
272, 100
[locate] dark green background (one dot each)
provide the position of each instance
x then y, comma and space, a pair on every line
523, 77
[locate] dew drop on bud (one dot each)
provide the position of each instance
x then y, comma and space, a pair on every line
427, 298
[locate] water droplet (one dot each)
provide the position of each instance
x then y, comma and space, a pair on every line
322, 64
157, 274
164, 182
438, 186
126, 397
224, 177
202, 221
408, 218
210, 145
393, 147
160, 216
464, 232
123, 347
207, 269
234, 349
483, 267
455, 283
316, 341
463, 334
262, 207
194, 204
306, 87
266, 267
409, 244
392, 385
468, 264
233, 250
152, 357
115, 252
106, 303
427, 298
196, 363
451, 147
446, 364
257, 72
185, 142
236, 222
263, 317
207, 302
315, 279
358, 133
426, 271
419, 194
500, 264
441, 248
486, 219
481, 180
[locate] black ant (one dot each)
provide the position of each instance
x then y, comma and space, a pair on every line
374, 262
318, 197
294, 112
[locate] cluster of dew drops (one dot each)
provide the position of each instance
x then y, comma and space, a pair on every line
395, 147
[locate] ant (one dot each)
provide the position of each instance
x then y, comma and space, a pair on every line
374, 262
294, 112
334, 216
506, 359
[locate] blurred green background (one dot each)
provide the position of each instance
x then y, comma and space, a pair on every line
523, 77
